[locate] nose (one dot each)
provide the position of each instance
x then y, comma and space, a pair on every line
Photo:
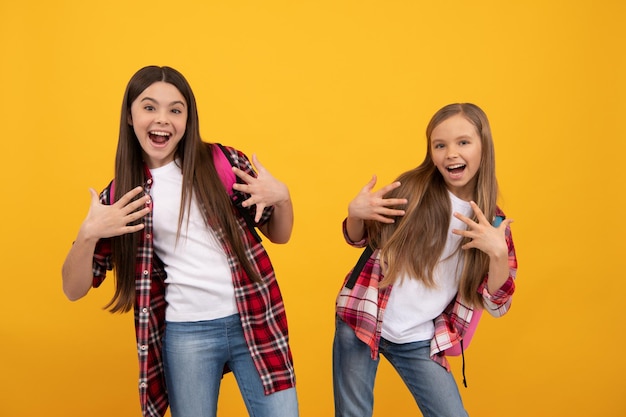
452, 152
162, 117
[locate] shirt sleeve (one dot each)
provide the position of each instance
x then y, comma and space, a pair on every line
358, 244
102, 254
498, 303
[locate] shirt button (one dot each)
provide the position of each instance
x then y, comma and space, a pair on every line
143, 347
145, 272
144, 310
143, 385
148, 236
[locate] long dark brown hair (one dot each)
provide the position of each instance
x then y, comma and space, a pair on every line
415, 243
199, 178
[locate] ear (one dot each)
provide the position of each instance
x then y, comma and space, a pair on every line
129, 119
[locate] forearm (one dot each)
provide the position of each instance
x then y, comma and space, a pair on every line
279, 227
77, 270
355, 228
498, 272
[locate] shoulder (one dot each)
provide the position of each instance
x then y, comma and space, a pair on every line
108, 194
236, 153
236, 157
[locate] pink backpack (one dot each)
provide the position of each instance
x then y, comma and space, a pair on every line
223, 166
458, 349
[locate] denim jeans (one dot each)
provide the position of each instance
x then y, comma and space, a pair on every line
354, 371
194, 355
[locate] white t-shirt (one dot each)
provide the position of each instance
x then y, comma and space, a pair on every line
412, 306
199, 279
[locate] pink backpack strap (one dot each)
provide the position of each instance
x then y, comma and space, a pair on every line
223, 168
222, 159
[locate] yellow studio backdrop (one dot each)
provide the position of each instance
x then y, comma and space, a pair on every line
326, 93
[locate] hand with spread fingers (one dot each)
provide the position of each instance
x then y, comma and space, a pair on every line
489, 239
483, 235
264, 190
372, 205
104, 221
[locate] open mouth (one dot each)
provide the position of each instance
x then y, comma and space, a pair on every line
456, 169
159, 137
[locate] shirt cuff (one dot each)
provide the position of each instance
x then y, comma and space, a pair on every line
358, 244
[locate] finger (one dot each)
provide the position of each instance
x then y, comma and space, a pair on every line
244, 188
243, 175
259, 212
133, 228
465, 219
257, 164
136, 204
371, 184
392, 212
460, 232
394, 201
249, 202
136, 215
126, 198
468, 245
505, 223
95, 198
382, 219
478, 212
387, 188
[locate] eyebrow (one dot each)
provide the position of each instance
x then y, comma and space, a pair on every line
155, 101
463, 136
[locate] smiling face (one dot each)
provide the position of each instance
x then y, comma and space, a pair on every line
159, 118
456, 148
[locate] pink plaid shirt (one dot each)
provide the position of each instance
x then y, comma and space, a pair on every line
363, 306
260, 307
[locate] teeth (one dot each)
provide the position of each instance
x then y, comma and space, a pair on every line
160, 133
456, 166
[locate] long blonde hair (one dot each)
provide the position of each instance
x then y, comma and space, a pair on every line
415, 242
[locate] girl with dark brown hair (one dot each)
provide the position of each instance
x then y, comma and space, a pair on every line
202, 286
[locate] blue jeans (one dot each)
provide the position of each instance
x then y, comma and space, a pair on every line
194, 355
354, 371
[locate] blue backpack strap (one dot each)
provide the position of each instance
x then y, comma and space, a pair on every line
497, 220
223, 162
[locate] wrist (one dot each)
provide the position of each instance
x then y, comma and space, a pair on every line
285, 202
87, 235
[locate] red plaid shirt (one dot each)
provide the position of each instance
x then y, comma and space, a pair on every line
260, 306
363, 306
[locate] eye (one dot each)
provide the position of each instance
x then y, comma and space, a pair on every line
177, 111
148, 107
438, 146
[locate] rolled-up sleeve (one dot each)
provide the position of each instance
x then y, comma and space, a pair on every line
498, 303
358, 244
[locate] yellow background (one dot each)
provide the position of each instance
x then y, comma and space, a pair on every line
326, 93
